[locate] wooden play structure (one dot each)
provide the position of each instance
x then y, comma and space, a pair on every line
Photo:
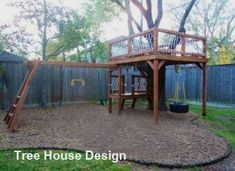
16, 106
139, 90
156, 48
152, 49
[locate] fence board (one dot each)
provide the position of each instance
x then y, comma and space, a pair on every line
220, 83
57, 83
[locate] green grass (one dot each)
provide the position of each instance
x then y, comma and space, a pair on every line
8, 162
220, 120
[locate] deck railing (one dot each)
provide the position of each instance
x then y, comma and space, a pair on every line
157, 40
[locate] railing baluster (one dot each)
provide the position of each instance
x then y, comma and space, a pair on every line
110, 50
158, 40
129, 46
155, 34
183, 44
204, 47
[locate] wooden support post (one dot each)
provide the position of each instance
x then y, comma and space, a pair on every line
161, 64
133, 90
133, 104
150, 64
119, 89
123, 103
204, 91
110, 91
148, 92
155, 91
123, 91
199, 65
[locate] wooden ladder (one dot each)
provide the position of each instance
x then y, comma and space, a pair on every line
18, 102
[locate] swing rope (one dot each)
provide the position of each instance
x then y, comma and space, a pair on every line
179, 86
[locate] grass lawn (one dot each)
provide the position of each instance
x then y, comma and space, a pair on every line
221, 121
8, 162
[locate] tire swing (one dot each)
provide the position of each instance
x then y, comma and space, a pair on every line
179, 105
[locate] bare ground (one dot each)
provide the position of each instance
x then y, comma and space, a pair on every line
175, 141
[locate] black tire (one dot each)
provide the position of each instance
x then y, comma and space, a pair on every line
179, 107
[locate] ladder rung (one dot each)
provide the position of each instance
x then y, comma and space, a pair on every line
10, 114
19, 99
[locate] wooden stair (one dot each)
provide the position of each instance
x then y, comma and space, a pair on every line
18, 102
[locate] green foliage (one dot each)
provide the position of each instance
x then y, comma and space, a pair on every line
100, 51
8, 162
226, 54
220, 120
83, 33
221, 50
214, 19
1, 43
104, 11
60, 29
72, 34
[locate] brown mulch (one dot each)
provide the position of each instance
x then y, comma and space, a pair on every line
174, 141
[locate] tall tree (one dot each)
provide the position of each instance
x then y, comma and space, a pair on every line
41, 15
16, 41
215, 19
147, 14
72, 34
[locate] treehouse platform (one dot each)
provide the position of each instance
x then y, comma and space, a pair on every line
153, 49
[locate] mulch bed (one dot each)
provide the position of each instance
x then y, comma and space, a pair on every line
174, 142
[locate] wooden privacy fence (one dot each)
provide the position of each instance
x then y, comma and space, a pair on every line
220, 83
56, 84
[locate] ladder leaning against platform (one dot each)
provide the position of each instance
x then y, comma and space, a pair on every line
18, 102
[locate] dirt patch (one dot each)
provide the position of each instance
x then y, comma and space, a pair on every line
175, 141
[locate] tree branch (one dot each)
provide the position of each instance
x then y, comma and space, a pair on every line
229, 29
138, 26
129, 17
56, 52
51, 38
159, 13
140, 6
177, 38
148, 15
185, 16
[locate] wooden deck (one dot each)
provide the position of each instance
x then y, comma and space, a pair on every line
158, 44
154, 48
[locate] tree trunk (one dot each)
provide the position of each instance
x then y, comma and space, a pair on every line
147, 14
63, 54
44, 58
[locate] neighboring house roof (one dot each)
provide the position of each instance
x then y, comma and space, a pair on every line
9, 57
